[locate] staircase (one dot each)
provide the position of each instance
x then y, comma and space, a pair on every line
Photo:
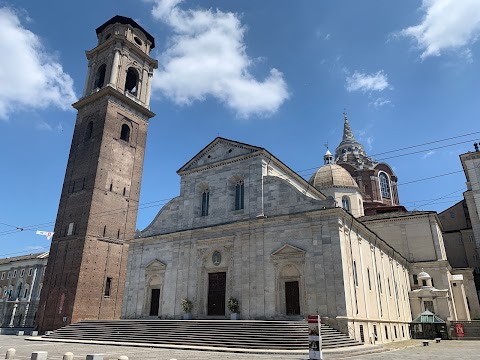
266, 335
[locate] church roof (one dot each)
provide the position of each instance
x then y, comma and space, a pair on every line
332, 175
348, 144
217, 150
126, 20
396, 214
24, 257
224, 151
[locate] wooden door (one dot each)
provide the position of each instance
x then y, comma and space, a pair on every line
292, 298
216, 293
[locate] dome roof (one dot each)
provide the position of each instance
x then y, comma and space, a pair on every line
423, 275
332, 175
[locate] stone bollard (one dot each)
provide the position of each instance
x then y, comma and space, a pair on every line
94, 357
10, 353
68, 356
39, 355
34, 333
123, 357
20, 333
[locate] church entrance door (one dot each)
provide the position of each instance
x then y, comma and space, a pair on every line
154, 302
292, 298
216, 293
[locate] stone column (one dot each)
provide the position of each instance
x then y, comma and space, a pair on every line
87, 79
143, 90
114, 72
149, 88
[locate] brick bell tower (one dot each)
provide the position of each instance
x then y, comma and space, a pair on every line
98, 206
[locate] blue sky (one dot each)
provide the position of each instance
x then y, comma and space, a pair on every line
272, 73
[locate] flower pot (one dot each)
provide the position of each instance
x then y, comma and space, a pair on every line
187, 316
234, 316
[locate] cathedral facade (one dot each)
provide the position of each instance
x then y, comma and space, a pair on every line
246, 226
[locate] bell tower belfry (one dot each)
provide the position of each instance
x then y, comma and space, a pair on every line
98, 206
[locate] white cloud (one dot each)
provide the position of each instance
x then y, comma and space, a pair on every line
30, 78
207, 56
446, 25
379, 102
428, 154
366, 82
34, 248
43, 125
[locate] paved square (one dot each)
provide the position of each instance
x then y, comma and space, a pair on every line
464, 350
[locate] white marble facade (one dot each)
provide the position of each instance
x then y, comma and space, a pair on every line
288, 252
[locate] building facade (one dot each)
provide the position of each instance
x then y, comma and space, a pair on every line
21, 281
460, 222
248, 227
99, 200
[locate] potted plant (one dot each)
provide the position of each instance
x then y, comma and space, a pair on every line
234, 307
187, 306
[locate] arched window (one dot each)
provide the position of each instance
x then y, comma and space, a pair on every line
131, 82
346, 203
89, 130
125, 133
100, 77
205, 201
19, 290
239, 194
384, 185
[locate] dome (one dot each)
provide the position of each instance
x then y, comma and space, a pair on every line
423, 275
332, 175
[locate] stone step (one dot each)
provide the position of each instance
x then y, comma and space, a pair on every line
280, 335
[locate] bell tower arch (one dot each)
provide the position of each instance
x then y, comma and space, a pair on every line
98, 206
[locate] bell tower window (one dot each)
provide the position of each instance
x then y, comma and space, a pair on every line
384, 185
131, 82
100, 78
89, 130
125, 133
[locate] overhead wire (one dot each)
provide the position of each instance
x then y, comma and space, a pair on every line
162, 202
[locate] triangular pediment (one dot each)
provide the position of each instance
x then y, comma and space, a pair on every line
217, 151
289, 250
155, 265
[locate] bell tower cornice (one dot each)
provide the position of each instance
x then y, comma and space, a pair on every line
126, 100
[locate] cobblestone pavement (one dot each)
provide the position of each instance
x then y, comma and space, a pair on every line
464, 350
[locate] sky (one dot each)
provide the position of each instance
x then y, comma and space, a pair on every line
273, 73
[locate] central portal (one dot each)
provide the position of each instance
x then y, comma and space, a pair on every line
216, 293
